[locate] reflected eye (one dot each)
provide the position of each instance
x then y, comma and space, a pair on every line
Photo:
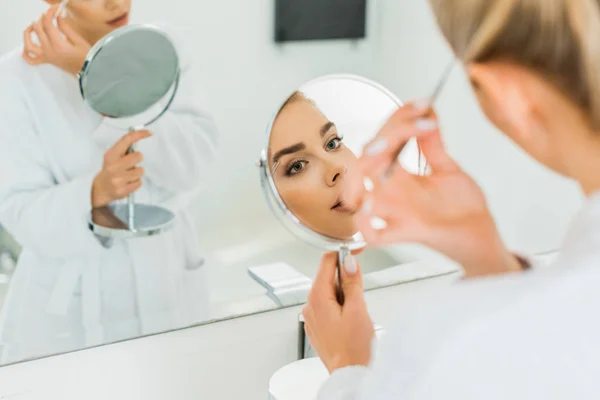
334, 143
296, 167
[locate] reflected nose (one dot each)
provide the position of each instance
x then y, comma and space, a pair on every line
336, 173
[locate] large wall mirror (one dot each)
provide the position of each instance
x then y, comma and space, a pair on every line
130, 198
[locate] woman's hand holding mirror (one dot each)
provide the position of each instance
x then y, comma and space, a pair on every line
132, 75
120, 175
61, 46
444, 210
341, 335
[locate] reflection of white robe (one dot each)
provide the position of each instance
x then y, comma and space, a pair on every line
523, 336
69, 291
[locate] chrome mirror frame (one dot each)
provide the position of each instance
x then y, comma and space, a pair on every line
274, 200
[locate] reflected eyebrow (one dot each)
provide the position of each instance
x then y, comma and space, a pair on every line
288, 150
326, 128
300, 146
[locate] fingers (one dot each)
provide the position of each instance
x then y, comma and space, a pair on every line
123, 178
32, 60
47, 23
406, 123
370, 235
133, 175
388, 202
324, 282
435, 153
395, 232
123, 145
128, 161
126, 190
352, 282
382, 152
375, 166
358, 251
47, 36
309, 320
307, 313
30, 49
354, 188
399, 228
70, 33
41, 34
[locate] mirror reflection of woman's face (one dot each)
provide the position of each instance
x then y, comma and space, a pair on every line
94, 19
309, 164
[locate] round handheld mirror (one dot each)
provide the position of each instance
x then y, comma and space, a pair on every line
131, 76
313, 143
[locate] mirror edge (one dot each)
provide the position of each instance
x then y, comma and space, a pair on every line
279, 209
98, 46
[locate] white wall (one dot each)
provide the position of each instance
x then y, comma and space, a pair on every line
16, 16
532, 205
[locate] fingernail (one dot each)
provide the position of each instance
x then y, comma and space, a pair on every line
426, 125
366, 207
350, 264
368, 184
377, 147
378, 223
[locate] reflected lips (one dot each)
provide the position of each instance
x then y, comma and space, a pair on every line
120, 21
341, 207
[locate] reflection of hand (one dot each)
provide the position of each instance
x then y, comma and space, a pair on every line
445, 210
119, 176
341, 335
104, 216
68, 52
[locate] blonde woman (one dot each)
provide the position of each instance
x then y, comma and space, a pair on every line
59, 159
535, 68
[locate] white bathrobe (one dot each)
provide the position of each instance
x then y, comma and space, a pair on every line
529, 336
70, 290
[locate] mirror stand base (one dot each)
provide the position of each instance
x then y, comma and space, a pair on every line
112, 221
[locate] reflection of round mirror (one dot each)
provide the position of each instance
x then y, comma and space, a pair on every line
129, 72
313, 144
314, 141
132, 75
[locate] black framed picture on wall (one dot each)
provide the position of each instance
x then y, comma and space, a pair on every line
310, 20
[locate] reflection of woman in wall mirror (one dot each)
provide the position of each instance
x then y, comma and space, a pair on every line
59, 159
309, 164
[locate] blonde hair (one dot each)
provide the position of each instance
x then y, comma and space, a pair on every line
559, 39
